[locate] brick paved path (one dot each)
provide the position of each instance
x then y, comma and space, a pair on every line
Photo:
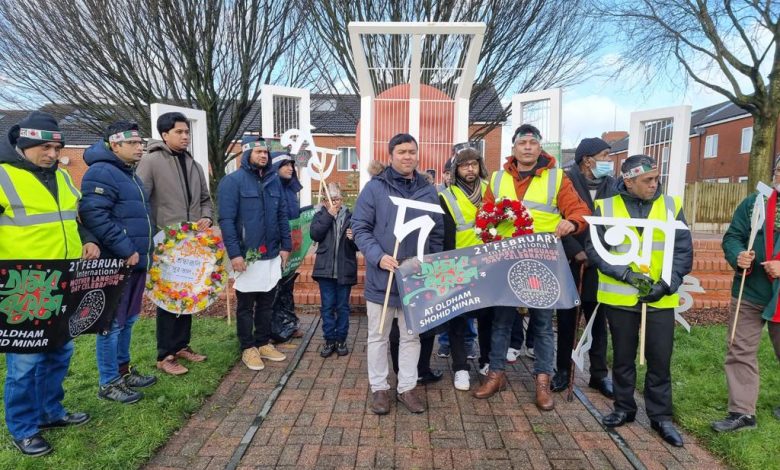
321, 420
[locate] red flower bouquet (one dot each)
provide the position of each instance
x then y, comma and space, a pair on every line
490, 215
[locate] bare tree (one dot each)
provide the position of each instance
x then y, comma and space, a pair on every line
528, 44
112, 60
728, 46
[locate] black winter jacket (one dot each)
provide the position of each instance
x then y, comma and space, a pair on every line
329, 253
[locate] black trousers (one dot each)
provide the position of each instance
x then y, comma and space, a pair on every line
253, 317
426, 349
457, 328
173, 333
485, 335
659, 342
598, 349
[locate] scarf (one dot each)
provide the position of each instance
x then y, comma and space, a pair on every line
473, 192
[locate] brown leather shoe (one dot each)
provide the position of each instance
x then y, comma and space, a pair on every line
544, 398
495, 381
190, 355
380, 402
169, 365
411, 401
297, 334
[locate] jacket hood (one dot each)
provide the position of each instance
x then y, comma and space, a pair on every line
544, 162
245, 164
98, 152
293, 184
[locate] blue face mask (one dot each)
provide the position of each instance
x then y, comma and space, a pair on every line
604, 169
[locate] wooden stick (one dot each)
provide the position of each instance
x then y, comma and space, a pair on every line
570, 393
736, 311
387, 292
324, 183
642, 334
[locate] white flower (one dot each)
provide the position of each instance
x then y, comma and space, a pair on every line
493, 231
478, 230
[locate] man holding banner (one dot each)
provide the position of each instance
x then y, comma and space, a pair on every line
530, 175
38, 209
115, 207
177, 189
253, 219
624, 288
758, 302
372, 225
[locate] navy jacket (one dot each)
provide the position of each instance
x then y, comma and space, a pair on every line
115, 206
291, 188
334, 250
253, 211
373, 222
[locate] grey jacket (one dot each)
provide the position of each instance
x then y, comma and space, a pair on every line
163, 179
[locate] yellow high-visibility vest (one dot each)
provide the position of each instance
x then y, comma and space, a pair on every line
618, 293
464, 213
541, 199
35, 225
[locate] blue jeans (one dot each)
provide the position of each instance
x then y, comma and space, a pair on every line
544, 345
113, 350
471, 333
334, 309
33, 389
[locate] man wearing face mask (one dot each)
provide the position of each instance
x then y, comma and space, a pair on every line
622, 290
759, 306
592, 177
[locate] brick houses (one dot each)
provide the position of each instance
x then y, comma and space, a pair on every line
718, 145
334, 117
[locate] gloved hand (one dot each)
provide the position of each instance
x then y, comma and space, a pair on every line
637, 280
658, 290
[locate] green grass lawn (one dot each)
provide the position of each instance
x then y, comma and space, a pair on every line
126, 436
701, 396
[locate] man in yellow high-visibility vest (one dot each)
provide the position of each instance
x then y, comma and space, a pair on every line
38, 207
622, 289
530, 175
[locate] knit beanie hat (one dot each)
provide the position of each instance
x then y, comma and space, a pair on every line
467, 155
589, 147
36, 129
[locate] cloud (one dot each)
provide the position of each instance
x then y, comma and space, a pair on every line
589, 116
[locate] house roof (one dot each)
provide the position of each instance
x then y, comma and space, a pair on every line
699, 118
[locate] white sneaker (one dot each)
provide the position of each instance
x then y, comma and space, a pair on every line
511, 355
530, 353
484, 369
462, 380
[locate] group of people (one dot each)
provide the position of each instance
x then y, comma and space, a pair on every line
131, 190
558, 201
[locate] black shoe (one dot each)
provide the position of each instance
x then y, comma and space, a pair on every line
603, 385
430, 377
136, 380
34, 446
667, 432
118, 391
735, 422
560, 382
618, 418
341, 348
70, 419
328, 349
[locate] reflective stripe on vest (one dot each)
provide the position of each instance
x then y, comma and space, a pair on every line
464, 213
37, 226
614, 292
541, 198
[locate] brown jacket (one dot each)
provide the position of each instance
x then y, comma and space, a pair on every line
572, 207
163, 179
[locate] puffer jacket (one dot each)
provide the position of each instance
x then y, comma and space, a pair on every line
115, 206
336, 254
253, 211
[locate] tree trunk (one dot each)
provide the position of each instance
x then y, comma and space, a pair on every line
762, 150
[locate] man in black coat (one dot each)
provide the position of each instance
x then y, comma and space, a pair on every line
592, 178
335, 270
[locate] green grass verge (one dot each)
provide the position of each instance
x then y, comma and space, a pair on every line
126, 436
701, 397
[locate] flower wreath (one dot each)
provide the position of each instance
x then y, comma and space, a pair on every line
492, 214
184, 240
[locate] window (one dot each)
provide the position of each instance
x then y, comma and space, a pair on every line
347, 158
711, 146
747, 140
742, 179
724, 180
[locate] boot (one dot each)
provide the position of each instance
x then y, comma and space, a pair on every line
494, 382
544, 399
